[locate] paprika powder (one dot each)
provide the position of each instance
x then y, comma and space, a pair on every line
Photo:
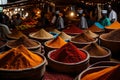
68, 54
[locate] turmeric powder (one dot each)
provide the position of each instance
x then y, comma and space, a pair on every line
19, 58
56, 43
110, 73
115, 25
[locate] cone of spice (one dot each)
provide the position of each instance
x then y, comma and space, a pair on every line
95, 50
41, 34
90, 33
55, 43
115, 25
24, 41
72, 29
113, 35
83, 38
68, 54
15, 34
110, 73
55, 31
64, 36
94, 28
19, 58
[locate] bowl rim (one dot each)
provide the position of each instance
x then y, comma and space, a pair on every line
96, 39
41, 38
91, 68
101, 37
109, 53
103, 62
34, 47
86, 59
27, 69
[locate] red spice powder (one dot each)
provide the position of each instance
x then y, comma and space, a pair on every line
68, 54
72, 29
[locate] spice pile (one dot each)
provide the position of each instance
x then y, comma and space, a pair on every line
68, 54
115, 25
110, 73
23, 40
41, 34
94, 28
64, 36
95, 50
56, 43
113, 35
19, 58
90, 33
72, 29
83, 37
15, 34
55, 31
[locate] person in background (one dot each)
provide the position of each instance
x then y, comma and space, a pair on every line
112, 14
105, 21
18, 20
4, 28
83, 22
55, 17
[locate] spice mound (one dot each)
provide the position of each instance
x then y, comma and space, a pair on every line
19, 58
64, 36
72, 29
56, 43
68, 54
115, 25
113, 35
15, 35
90, 33
94, 28
55, 31
110, 73
83, 37
41, 34
23, 40
95, 50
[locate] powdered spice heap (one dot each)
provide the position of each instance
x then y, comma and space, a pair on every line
113, 35
83, 37
64, 36
55, 31
25, 41
15, 35
115, 25
110, 73
68, 54
72, 29
90, 33
95, 50
94, 28
19, 58
56, 43
41, 34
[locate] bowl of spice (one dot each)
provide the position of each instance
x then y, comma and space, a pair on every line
68, 59
82, 40
101, 73
111, 40
15, 35
97, 53
21, 64
54, 44
29, 43
42, 35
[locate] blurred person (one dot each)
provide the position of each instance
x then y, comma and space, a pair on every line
83, 22
5, 29
18, 20
112, 14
